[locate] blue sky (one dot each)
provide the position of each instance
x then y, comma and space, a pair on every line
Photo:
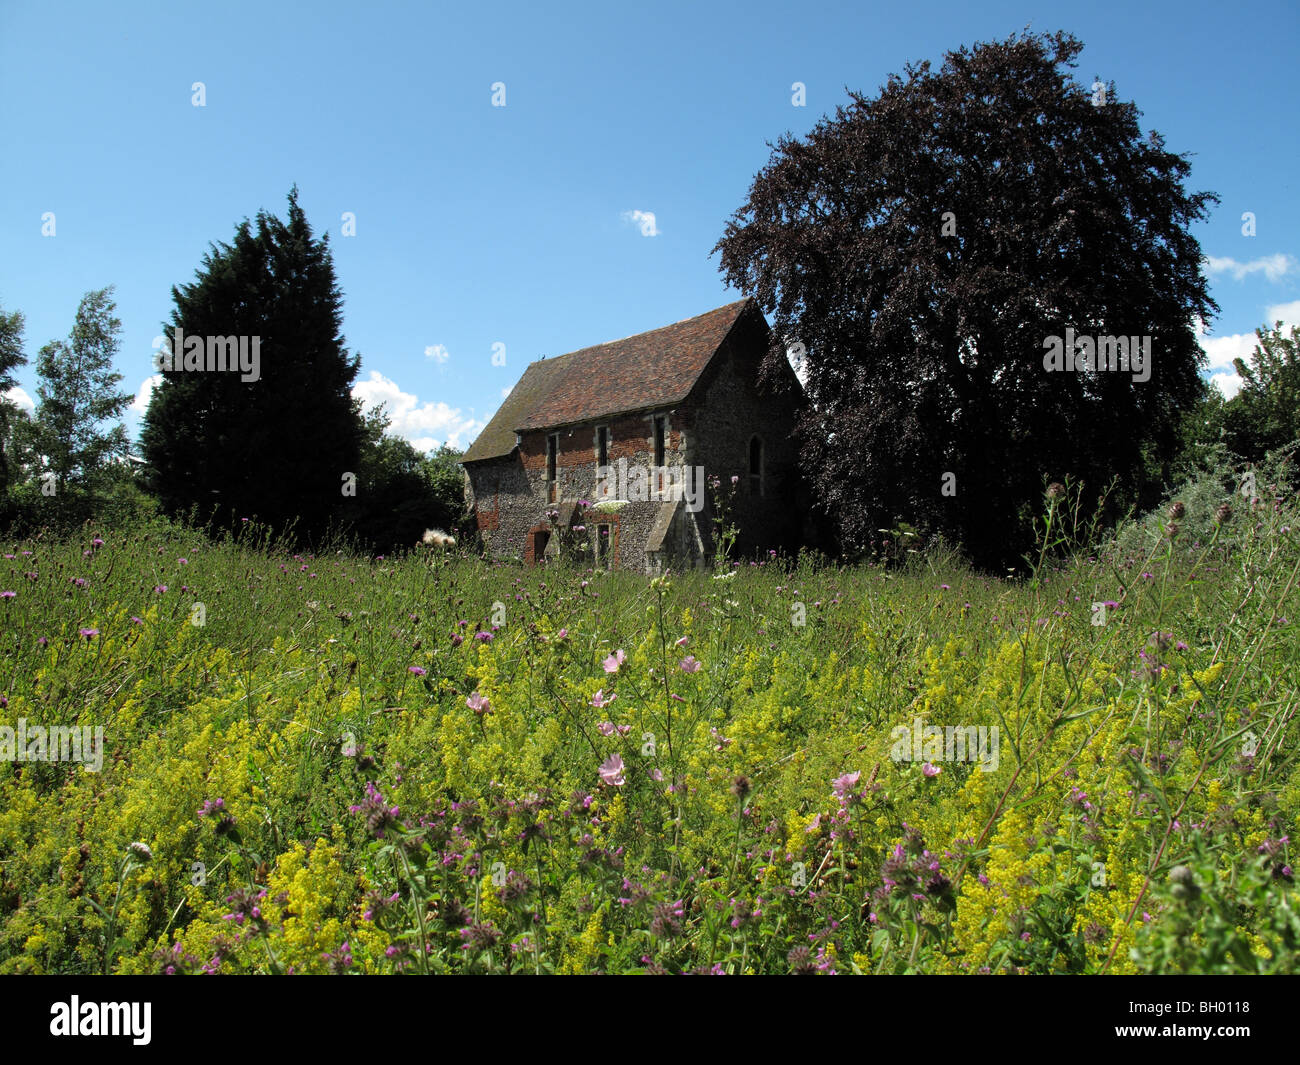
479, 225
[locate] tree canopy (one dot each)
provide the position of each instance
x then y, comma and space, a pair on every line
77, 394
1265, 414
11, 357
924, 246
276, 437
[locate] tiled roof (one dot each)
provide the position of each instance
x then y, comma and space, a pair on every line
653, 369
498, 437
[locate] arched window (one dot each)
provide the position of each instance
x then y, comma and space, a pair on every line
755, 466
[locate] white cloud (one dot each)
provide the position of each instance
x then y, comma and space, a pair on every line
1273, 267
1227, 383
505, 392
1220, 351
645, 219
796, 356
437, 353
141, 402
424, 425
1286, 313
21, 399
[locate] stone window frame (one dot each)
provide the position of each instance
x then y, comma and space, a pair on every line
659, 451
757, 480
596, 432
552, 466
658, 439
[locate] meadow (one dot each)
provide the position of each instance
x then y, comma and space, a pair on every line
335, 763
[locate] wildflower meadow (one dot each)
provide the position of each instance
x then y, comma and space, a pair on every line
227, 757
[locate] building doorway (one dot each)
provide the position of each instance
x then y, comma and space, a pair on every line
540, 540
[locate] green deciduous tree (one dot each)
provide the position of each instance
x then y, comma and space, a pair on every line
447, 480
400, 493
1265, 414
923, 246
77, 394
11, 357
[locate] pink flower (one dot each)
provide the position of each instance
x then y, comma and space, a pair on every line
478, 703
562, 634
930, 770
681, 642
7, 595
656, 774
615, 660
419, 671
689, 665
841, 786
89, 634
605, 728
611, 771
600, 702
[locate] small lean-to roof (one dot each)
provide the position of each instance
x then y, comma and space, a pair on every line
654, 369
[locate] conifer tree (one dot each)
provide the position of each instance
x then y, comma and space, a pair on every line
276, 434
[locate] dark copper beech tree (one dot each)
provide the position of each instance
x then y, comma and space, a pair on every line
925, 245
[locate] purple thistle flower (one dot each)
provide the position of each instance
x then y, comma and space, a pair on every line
379, 816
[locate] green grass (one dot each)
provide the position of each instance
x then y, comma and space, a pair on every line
1138, 819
